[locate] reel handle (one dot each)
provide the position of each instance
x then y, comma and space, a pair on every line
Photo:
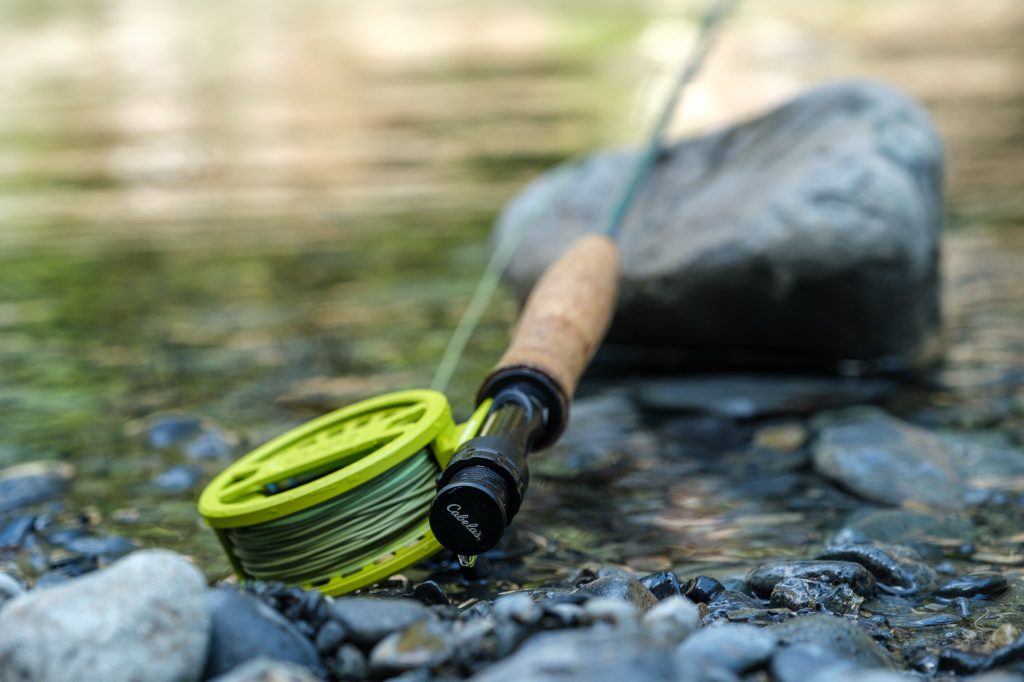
562, 324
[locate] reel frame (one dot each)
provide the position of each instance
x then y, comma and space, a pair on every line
330, 456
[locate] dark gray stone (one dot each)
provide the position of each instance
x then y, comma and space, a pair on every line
15, 532
762, 579
733, 647
586, 655
746, 396
982, 584
796, 594
329, 637
425, 644
621, 587
839, 636
662, 585
883, 459
244, 628
32, 483
702, 589
368, 621
143, 618
807, 235
897, 569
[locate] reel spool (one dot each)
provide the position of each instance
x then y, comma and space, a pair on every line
342, 501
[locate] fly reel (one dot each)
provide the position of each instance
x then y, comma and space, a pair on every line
342, 501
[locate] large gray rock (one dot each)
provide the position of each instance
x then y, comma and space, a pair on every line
840, 637
883, 459
268, 670
144, 618
806, 236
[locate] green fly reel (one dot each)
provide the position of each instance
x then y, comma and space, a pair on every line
342, 501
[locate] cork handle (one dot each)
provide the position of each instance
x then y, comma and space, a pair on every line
567, 314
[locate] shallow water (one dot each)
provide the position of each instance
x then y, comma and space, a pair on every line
254, 213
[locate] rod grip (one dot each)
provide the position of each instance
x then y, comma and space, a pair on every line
566, 315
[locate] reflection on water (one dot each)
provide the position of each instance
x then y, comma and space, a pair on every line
258, 210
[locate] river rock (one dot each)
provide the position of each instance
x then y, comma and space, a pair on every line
733, 647
268, 670
883, 459
621, 587
672, 620
368, 620
796, 594
839, 636
763, 578
425, 644
349, 663
806, 236
594, 655
32, 483
981, 584
662, 585
144, 618
244, 628
897, 569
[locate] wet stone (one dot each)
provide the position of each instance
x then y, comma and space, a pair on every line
796, 594
32, 483
836, 635
662, 585
430, 593
425, 644
897, 569
621, 587
728, 602
702, 589
367, 620
982, 584
762, 579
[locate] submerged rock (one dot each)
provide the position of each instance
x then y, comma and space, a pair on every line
747, 396
32, 483
144, 618
831, 255
883, 459
982, 584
